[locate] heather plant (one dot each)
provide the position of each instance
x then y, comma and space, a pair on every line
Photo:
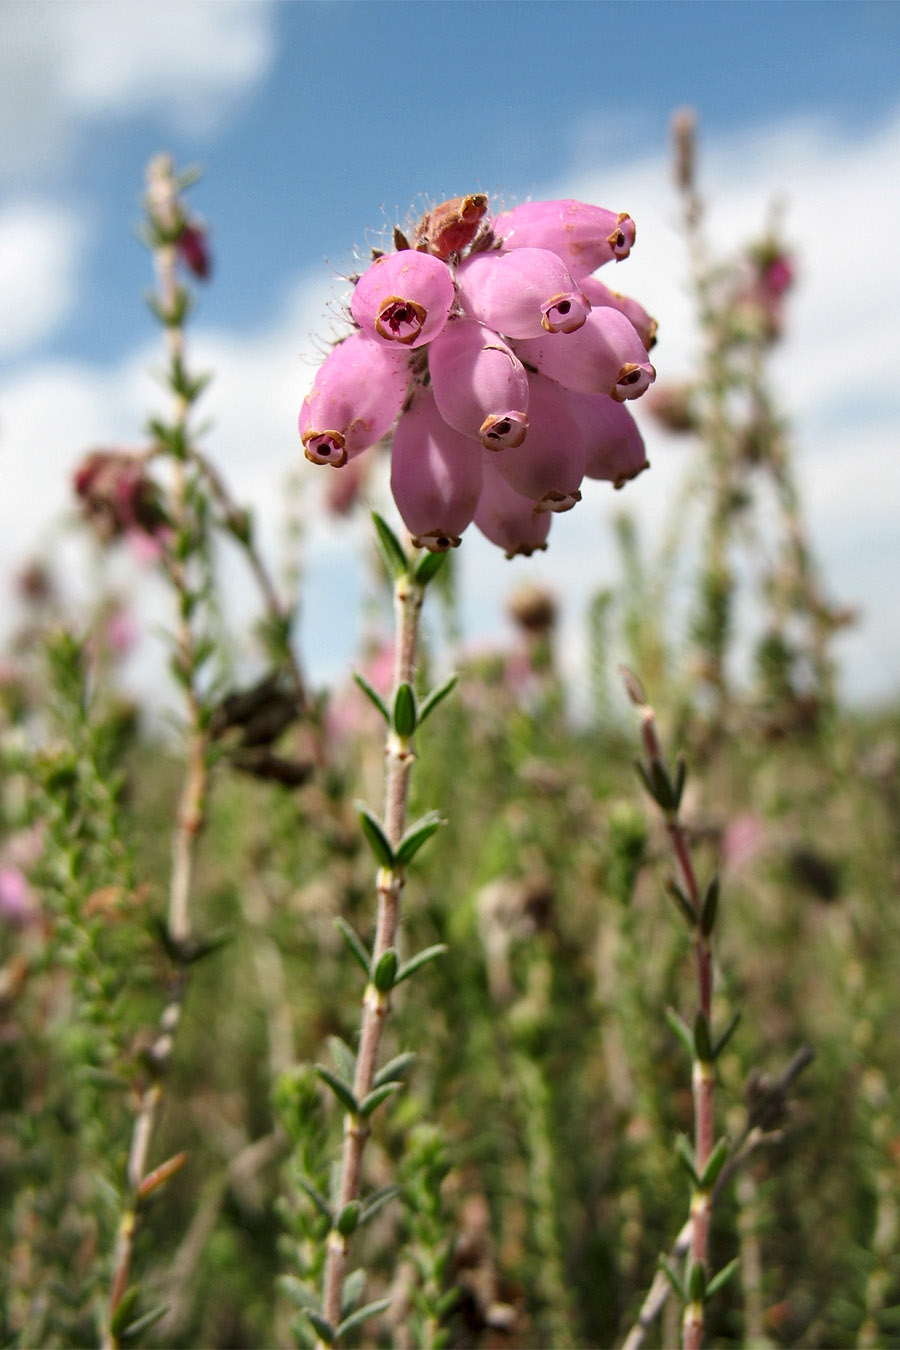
501, 1095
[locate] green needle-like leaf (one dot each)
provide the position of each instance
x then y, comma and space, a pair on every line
416, 962
714, 1164
437, 696
721, 1278
373, 1099
372, 695
340, 1089
405, 714
385, 972
362, 1315
316, 1197
416, 836
354, 942
375, 836
673, 1278
377, 1202
685, 1155
682, 1031
394, 1069
429, 567
323, 1328
710, 906
390, 548
344, 1058
726, 1036
702, 1039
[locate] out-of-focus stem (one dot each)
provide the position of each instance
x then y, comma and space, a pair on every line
162, 193
399, 756
703, 1070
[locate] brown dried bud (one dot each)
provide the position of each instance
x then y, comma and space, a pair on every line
532, 608
452, 225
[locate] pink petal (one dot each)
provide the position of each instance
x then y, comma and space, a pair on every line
480, 385
435, 476
404, 298
585, 237
507, 518
356, 396
605, 356
600, 295
521, 294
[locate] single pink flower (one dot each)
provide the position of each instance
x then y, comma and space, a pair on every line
193, 249
404, 298
356, 396
435, 476
585, 237
549, 466
605, 356
616, 452
521, 294
505, 517
480, 385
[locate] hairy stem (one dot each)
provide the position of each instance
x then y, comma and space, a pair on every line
190, 815
399, 757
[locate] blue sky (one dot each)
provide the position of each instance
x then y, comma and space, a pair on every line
318, 121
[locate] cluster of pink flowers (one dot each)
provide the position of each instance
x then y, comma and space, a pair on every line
501, 362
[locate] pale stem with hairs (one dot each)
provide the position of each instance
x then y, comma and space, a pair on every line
399, 756
162, 198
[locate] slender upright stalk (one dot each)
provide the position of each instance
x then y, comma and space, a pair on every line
399, 755
698, 907
190, 816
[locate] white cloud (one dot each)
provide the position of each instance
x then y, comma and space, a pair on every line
40, 248
62, 64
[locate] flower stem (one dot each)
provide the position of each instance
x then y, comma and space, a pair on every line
399, 756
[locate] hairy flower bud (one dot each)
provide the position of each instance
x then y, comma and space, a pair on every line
356, 396
480, 385
521, 294
435, 476
585, 237
549, 466
605, 356
404, 298
452, 225
505, 517
600, 295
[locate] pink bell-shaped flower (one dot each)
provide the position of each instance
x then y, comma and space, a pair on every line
549, 466
404, 298
616, 452
356, 396
585, 237
521, 294
480, 385
600, 295
605, 356
435, 476
505, 517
